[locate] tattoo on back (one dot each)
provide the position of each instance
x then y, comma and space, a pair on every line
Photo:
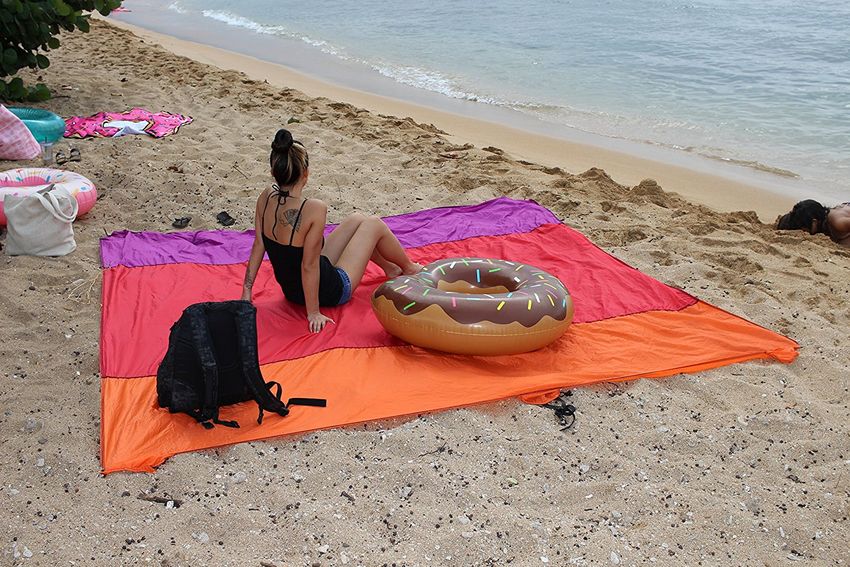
292, 218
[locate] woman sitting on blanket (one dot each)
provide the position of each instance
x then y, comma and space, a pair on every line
311, 270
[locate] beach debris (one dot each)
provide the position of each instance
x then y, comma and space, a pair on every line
615, 559
239, 477
322, 549
202, 537
25, 552
452, 155
439, 449
347, 495
405, 492
511, 481
240, 171
82, 290
169, 502
31, 425
293, 120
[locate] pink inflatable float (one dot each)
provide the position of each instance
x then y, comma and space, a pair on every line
28, 180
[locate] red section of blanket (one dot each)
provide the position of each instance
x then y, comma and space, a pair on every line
142, 303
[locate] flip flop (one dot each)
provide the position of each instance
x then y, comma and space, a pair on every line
74, 155
181, 222
60, 158
225, 219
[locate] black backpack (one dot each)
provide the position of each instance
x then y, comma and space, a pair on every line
212, 361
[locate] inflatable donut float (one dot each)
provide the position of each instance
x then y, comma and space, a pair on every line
45, 126
29, 180
475, 306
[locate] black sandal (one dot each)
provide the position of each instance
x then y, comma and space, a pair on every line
181, 222
74, 155
60, 158
225, 219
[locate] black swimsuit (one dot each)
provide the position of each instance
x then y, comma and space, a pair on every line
286, 262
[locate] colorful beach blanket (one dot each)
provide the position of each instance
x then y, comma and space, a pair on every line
134, 121
627, 325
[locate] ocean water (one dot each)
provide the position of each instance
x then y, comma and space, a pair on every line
764, 84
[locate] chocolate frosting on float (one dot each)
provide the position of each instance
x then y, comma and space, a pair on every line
532, 293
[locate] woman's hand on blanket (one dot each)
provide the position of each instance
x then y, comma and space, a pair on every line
318, 321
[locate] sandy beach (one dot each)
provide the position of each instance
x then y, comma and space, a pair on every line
743, 465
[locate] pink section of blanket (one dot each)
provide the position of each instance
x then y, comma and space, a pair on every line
16, 141
134, 121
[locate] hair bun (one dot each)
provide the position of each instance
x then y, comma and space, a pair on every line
282, 140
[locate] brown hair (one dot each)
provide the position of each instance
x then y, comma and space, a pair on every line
288, 159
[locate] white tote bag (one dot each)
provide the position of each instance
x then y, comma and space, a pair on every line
40, 223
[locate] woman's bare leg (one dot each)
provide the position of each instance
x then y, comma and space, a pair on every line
337, 240
373, 235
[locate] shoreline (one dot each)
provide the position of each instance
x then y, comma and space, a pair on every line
720, 192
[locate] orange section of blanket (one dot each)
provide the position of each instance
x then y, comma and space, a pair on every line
363, 384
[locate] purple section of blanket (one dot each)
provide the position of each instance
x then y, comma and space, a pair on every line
492, 218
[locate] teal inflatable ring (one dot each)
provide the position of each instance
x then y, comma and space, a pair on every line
45, 126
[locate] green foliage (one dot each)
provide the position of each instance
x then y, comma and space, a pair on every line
30, 27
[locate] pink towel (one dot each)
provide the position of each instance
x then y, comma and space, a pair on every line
16, 141
134, 121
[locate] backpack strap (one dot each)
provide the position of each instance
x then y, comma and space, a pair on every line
246, 324
563, 409
203, 346
165, 371
314, 402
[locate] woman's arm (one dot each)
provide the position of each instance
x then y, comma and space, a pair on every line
318, 216
257, 252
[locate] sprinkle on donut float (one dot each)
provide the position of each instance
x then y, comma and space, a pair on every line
477, 306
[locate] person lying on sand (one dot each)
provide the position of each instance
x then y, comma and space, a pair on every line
311, 270
812, 216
